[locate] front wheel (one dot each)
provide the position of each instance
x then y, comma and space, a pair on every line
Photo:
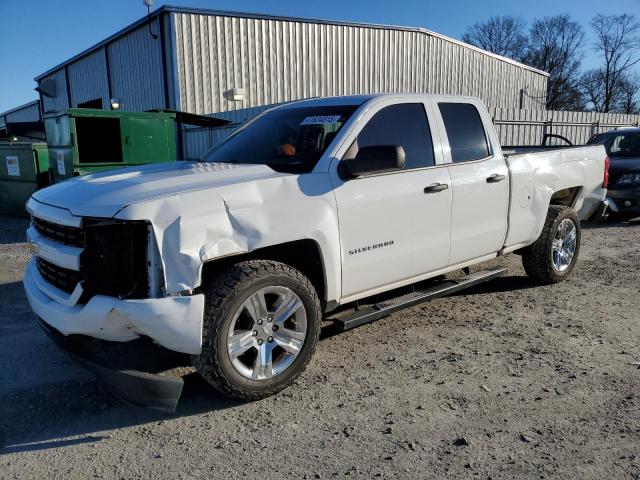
554, 254
261, 326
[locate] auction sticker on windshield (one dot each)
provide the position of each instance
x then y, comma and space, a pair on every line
321, 120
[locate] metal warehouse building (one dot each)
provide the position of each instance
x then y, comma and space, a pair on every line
210, 62
23, 122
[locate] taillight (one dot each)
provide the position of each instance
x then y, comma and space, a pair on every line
605, 180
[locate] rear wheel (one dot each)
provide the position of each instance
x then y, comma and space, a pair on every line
261, 327
554, 254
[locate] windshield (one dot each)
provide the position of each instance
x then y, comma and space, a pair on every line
620, 145
288, 139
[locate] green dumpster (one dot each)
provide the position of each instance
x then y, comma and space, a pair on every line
83, 140
24, 168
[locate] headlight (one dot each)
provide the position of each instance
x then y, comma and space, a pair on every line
114, 260
629, 179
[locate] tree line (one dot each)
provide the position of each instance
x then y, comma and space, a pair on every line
556, 45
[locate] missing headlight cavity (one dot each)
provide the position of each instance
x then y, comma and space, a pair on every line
115, 258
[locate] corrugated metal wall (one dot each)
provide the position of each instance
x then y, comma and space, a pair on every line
60, 100
88, 79
197, 141
279, 60
283, 60
135, 63
527, 127
29, 112
135, 74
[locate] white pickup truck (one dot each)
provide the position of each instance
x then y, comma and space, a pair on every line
308, 209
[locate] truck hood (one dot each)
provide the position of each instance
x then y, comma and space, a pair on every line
104, 194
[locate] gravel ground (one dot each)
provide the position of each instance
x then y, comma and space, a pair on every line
508, 380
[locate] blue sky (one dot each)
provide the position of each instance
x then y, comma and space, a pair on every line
38, 34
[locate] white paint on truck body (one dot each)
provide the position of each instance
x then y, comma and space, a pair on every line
374, 233
535, 177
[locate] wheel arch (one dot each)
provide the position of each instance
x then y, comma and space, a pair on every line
304, 255
559, 196
535, 257
566, 197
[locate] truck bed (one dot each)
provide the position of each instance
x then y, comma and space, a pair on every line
535, 173
509, 150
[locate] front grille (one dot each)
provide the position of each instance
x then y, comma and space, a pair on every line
113, 261
72, 236
115, 258
62, 278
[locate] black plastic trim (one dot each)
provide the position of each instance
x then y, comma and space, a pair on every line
136, 388
382, 309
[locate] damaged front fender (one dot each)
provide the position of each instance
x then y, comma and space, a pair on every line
197, 226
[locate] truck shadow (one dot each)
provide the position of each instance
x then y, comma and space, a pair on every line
610, 224
47, 401
43, 418
497, 285
13, 230
79, 410
508, 283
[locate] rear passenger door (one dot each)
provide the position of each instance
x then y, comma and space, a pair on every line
391, 228
479, 180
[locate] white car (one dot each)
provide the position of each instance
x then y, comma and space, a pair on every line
237, 258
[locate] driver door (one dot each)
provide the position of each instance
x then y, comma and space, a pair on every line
392, 227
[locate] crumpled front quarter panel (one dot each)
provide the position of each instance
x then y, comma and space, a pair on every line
197, 226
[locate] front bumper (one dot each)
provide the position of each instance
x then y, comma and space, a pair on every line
173, 322
624, 200
136, 387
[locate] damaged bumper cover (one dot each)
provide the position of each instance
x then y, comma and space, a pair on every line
134, 387
173, 322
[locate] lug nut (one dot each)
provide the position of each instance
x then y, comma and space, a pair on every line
259, 322
260, 341
255, 333
274, 328
270, 339
269, 319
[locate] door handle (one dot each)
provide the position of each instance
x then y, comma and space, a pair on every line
495, 178
436, 187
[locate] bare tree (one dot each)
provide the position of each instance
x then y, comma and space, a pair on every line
625, 97
592, 88
617, 39
555, 46
502, 35
628, 98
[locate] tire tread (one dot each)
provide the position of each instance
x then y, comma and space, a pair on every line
218, 291
535, 259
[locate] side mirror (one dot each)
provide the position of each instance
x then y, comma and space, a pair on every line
374, 159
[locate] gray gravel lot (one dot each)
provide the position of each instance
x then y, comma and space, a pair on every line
508, 380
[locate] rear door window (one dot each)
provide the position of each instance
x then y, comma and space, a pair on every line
404, 124
467, 138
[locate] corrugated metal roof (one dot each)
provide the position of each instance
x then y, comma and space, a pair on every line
200, 11
21, 107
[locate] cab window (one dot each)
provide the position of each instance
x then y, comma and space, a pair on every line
467, 138
404, 124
